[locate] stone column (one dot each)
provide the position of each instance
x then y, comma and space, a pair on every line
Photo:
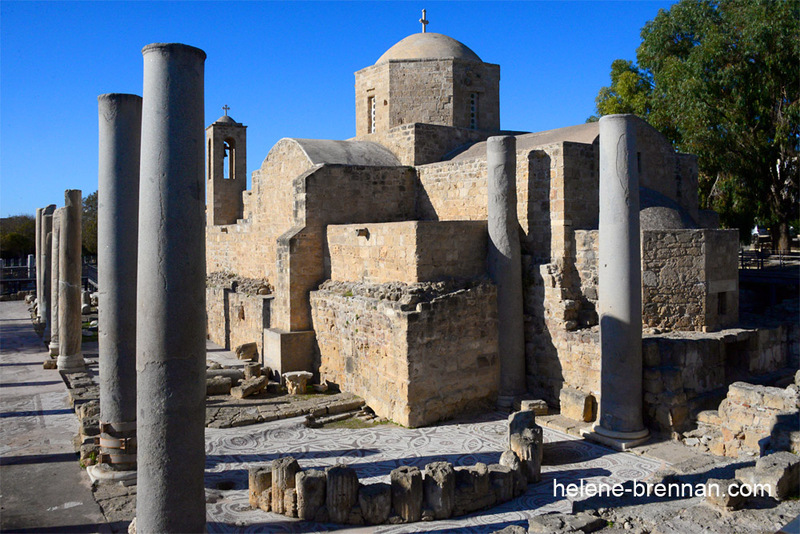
31, 265
620, 421
120, 126
505, 265
44, 302
54, 260
70, 358
38, 238
171, 279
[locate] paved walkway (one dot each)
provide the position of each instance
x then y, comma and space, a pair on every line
42, 486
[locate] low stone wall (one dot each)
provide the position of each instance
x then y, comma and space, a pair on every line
751, 420
416, 353
236, 313
685, 373
408, 252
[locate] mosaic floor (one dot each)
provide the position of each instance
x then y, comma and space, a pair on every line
375, 452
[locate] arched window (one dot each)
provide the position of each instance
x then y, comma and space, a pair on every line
229, 154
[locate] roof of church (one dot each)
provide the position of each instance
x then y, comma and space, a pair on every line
364, 153
581, 133
428, 46
226, 119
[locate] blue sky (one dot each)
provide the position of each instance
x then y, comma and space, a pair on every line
284, 68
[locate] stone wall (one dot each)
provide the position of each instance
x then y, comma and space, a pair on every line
416, 354
249, 247
690, 279
687, 372
235, 318
363, 195
420, 144
750, 420
408, 252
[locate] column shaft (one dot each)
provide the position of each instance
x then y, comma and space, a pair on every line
171, 329
47, 248
505, 265
120, 126
620, 282
69, 284
54, 277
38, 238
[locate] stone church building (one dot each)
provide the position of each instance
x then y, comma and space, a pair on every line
364, 260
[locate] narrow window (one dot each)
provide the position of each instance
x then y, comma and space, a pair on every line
209, 168
371, 110
473, 111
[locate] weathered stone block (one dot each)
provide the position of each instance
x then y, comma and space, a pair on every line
577, 405
439, 489
375, 502
407, 493
502, 481
265, 500
777, 473
473, 490
247, 351
311, 488
724, 494
290, 502
252, 370
525, 438
249, 387
342, 492
284, 471
218, 385
512, 461
537, 406
258, 480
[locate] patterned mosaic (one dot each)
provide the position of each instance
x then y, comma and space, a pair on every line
375, 452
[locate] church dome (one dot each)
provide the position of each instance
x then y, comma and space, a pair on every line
226, 119
428, 46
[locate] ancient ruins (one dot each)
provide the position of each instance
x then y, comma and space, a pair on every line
387, 289
431, 267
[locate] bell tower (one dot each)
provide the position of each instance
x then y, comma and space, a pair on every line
226, 168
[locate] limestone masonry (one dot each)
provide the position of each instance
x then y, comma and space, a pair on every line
341, 240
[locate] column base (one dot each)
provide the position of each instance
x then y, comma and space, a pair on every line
619, 441
71, 364
53, 348
102, 474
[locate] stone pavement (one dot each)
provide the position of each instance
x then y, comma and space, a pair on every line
42, 487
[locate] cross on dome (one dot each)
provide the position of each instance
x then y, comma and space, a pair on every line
424, 22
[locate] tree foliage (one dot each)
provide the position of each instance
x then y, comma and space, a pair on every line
721, 80
89, 225
17, 236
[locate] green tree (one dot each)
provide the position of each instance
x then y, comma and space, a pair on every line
725, 85
629, 91
17, 236
89, 224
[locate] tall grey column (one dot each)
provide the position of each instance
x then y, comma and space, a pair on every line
620, 286
505, 265
38, 238
54, 260
40, 242
44, 302
31, 265
70, 358
120, 127
171, 324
